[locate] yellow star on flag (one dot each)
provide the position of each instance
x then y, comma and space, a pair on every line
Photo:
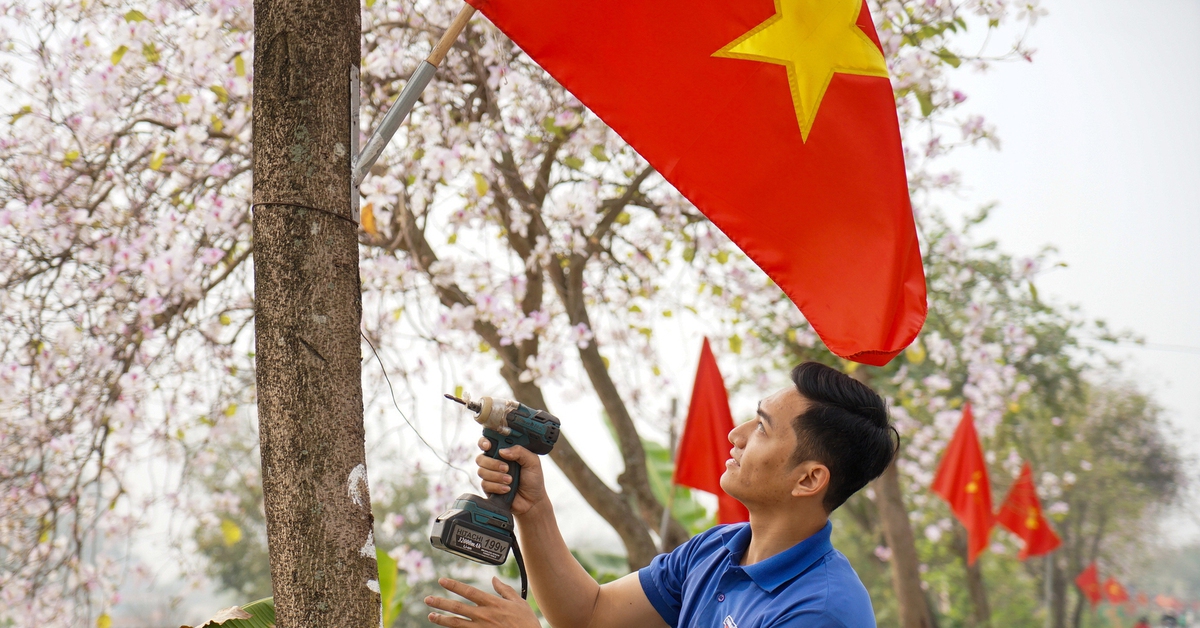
812, 39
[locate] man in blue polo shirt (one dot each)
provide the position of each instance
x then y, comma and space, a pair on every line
810, 447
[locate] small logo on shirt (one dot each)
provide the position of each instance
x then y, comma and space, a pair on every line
729, 623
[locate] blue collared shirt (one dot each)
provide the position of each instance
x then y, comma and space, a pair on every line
810, 585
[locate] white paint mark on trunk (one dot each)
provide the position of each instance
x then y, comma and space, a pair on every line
373, 585
368, 549
356, 482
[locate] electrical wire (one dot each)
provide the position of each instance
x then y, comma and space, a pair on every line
396, 404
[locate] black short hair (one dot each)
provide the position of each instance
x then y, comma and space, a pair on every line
845, 428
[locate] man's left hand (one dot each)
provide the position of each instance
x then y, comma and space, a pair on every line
507, 610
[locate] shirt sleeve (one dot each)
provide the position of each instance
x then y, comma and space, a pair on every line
663, 579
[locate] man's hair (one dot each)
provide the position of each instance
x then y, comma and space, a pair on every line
845, 428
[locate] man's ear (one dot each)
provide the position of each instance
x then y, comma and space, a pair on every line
813, 479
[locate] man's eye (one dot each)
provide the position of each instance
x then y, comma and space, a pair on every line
760, 427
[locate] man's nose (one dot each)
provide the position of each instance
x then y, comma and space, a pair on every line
736, 434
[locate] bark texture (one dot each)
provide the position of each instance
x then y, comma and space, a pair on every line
906, 572
981, 610
307, 315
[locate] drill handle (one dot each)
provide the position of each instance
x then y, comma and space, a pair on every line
514, 467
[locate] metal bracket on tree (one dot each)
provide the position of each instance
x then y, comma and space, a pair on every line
405, 101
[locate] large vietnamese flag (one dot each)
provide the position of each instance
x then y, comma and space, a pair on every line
962, 480
1022, 513
777, 120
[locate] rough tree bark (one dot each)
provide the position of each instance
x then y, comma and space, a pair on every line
914, 606
981, 610
307, 316
906, 567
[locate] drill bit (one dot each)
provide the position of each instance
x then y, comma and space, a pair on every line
473, 406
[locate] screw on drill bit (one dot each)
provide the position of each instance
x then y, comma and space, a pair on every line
471, 405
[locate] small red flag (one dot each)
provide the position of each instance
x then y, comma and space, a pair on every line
777, 120
962, 480
704, 446
1088, 582
1021, 513
1115, 593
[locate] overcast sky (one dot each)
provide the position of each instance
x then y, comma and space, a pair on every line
1100, 157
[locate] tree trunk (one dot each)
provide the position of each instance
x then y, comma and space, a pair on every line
1058, 592
307, 316
906, 567
981, 611
915, 611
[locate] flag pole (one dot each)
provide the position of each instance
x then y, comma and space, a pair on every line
408, 96
671, 442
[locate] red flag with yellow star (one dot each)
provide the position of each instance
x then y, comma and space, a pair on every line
1115, 593
1088, 582
777, 120
962, 480
1021, 513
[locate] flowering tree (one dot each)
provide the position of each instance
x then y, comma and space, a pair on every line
507, 229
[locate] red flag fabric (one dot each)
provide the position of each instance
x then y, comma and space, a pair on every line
962, 480
1115, 593
704, 446
777, 120
1021, 513
1088, 582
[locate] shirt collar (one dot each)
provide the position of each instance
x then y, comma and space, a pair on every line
773, 572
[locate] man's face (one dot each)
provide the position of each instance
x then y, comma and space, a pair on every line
760, 470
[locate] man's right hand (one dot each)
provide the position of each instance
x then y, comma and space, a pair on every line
497, 481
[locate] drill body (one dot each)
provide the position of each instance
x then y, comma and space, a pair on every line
481, 528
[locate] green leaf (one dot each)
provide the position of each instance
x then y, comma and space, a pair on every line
370, 3
481, 184
735, 343
623, 218
391, 589
70, 157
239, 66
222, 95
926, 102
230, 532
599, 153
684, 508
156, 162
135, 16
262, 615
572, 162
551, 128
948, 57
23, 111
150, 52
689, 254
118, 54
183, 99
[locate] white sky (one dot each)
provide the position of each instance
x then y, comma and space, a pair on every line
1100, 157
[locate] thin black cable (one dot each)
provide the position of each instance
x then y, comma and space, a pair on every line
516, 547
404, 416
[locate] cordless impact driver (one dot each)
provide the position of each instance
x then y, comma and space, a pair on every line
481, 528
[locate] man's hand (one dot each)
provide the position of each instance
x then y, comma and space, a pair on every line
497, 481
507, 610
